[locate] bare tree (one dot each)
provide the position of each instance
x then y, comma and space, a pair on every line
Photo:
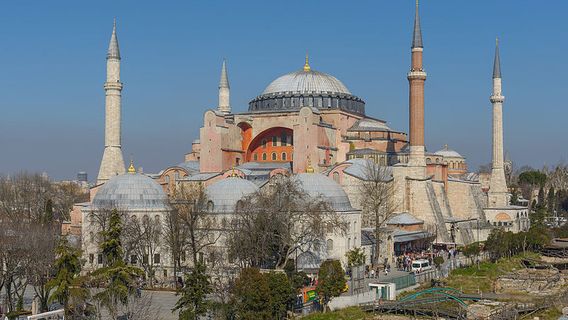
141, 308
142, 239
175, 239
273, 223
28, 233
191, 205
65, 195
377, 199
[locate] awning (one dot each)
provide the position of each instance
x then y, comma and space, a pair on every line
412, 236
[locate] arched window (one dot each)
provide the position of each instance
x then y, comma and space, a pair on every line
336, 176
255, 157
283, 139
283, 156
210, 206
273, 156
263, 143
274, 141
264, 157
167, 179
329, 245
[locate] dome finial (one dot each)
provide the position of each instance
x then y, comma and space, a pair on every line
307, 64
309, 168
131, 169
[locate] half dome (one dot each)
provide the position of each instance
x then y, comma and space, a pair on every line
131, 192
317, 185
225, 193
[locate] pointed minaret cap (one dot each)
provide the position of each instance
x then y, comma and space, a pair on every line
417, 36
224, 81
497, 61
113, 51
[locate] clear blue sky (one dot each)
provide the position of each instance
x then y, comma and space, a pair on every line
52, 71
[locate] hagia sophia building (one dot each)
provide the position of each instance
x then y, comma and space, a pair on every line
307, 124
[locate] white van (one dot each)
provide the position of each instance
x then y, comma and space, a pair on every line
421, 265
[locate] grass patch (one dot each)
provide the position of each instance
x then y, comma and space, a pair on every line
352, 313
472, 279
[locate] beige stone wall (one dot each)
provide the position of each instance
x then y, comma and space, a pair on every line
462, 202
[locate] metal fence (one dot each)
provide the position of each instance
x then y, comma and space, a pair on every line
447, 267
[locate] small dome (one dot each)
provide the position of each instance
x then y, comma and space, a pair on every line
449, 153
227, 192
131, 192
301, 81
318, 185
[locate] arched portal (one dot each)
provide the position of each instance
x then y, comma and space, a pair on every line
277, 143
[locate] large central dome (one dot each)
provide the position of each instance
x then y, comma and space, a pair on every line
306, 88
307, 82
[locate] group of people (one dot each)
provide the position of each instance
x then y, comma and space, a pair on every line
374, 272
404, 261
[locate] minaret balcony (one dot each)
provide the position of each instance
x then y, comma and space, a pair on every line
416, 75
497, 98
113, 85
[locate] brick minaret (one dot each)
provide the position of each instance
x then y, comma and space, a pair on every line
416, 79
224, 91
498, 192
112, 163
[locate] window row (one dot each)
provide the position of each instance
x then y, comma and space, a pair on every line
133, 259
285, 140
273, 156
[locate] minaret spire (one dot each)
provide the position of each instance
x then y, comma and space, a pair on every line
224, 90
498, 192
416, 79
113, 51
497, 61
112, 163
417, 34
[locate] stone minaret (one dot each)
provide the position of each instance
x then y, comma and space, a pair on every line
498, 192
224, 91
112, 163
416, 79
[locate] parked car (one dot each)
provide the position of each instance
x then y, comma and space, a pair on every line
421, 265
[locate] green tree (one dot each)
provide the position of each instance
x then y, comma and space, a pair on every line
64, 286
193, 303
471, 251
438, 261
331, 281
355, 257
48, 217
251, 295
537, 217
119, 278
281, 294
541, 198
